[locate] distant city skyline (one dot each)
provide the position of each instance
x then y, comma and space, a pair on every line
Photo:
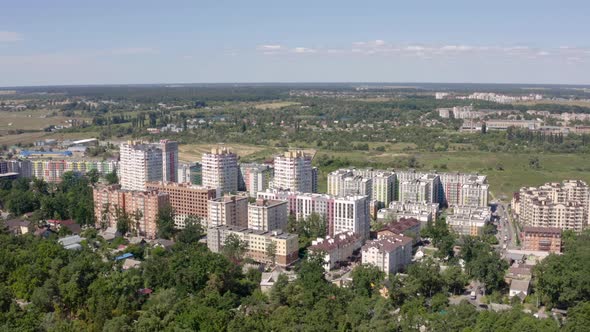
141, 42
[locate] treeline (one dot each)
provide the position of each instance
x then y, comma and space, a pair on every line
69, 199
188, 288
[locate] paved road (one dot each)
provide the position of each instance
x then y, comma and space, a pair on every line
506, 233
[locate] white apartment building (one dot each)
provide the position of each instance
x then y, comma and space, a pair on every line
390, 254
228, 210
561, 205
267, 215
342, 214
378, 185
254, 178
293, 172
422, 190
139, 163
220, 169
424, 212
468, 220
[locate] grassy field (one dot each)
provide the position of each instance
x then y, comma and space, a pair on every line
275, 105
29, 120
194, 152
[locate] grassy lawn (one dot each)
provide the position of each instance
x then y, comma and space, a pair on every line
29, 120
275, 105
194, 152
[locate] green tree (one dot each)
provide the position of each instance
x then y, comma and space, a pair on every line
165, 222
192, 231
271, 252
234, 247
366, 279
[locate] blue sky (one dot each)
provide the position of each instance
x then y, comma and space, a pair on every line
126, 41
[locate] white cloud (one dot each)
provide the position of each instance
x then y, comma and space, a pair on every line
133, 51
269, 47
10, 36
303, 50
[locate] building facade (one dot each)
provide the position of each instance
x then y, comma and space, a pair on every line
468, 220
228, 210
254, 178
142, 207
390, 254
561, 205
541, 239
220, 170
342, 214
293, 172
140, 163
186, 199
169, 160
267, 215
286, 244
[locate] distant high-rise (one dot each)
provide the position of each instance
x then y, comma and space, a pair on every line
140, 163
169, 160
220, 169
293, 172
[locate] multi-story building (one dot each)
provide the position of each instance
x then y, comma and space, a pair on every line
286, 244
404, 226
228, 210
339, 248
53, 170
190, 173
254, 178
220, 169
390, 254
169, 160
140, 163
383, 190
20, 167
342, 214
541, 239
425, 189
380, 186
267, 215
314, 179
293, 172
140, 206
561, 205
463, 189
186, 199
468, 220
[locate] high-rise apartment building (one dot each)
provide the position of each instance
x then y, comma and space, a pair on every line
220, 170
228, 210
267, 215
140, 163
378, 185
541, 239
186, 199
293, 172
422, 190
560, 205
140, 206
169, 160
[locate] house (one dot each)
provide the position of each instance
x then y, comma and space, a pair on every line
71, 242
519, 272
519, 288
70, 224
339, 248
163, 243
268, 279
131, 263
17, 227
109, 234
